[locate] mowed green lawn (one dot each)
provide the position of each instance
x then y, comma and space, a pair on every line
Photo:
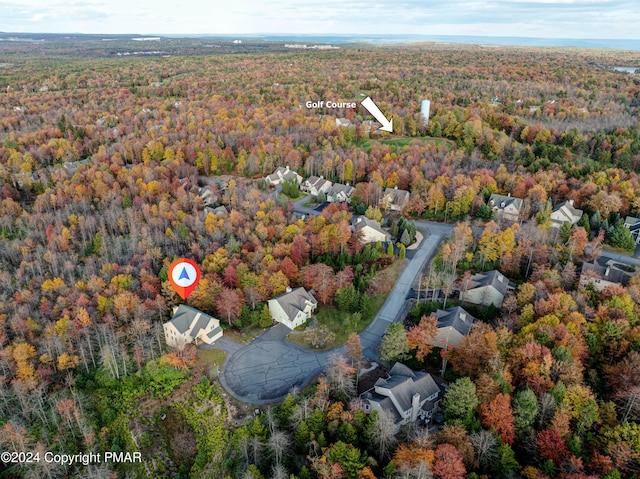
340, 323
406, 141
211, 360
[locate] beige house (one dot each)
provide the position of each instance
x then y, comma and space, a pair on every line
565, 213
506, 207
453, 325
486, 288
369, 231
394, 199
315, 185
189, 325
405, 395
283, 174
292, 308
340, 193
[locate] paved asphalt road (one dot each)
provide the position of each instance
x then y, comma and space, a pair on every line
265, 370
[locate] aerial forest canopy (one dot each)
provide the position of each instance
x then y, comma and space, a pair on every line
104, 152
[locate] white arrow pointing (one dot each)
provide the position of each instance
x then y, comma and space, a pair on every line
387, 125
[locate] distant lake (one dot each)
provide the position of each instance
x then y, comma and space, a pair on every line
631, 70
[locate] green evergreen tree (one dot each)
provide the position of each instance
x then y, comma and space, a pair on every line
347, 434
485, 212
390, 249
585, 223
565, 232
405, 238
301, 438
460, 401
393, 346
621, 237
316, 422
525, 410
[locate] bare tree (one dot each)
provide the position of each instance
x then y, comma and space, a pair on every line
278, 443
485, 446
340, 375
382, 432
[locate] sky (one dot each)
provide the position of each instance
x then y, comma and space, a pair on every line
596, 19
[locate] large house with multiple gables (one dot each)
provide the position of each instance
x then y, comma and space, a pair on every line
506, 207
405, 395
189, 325
293, 307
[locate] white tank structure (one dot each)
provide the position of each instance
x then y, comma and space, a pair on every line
424, 111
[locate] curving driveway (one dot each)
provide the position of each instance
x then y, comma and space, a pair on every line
265, 370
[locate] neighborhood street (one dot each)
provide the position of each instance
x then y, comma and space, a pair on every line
265, 370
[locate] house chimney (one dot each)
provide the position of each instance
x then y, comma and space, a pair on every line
570, 202
509, 195
288, 290
607, 271
415, 406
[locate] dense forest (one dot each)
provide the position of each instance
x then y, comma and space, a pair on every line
103, 158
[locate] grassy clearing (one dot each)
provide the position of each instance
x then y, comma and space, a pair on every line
244, 336
211, 360
341, 323
406, 141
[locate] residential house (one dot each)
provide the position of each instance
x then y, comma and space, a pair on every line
340, 193
343, 122
506, 207
189, 325
486, 288
605, 272
293, 307
453, 325
633, 224
315, 185
369, 231
405, 394
394, 199
282, 174
219, 211
565, 213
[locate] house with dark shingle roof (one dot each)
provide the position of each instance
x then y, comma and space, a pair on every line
506, 207
189, 325
394, 199
368, 230
633, 224
453, 325
486, 288
293, 307
404, 394
605, 272
340, 193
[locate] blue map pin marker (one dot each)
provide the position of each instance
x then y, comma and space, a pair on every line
184, 274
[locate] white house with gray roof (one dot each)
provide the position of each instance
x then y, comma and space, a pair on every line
486, 288
368, 230
293, 307
316, 185
404, 394
189, 325
283, 174
565, 213
340, 193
